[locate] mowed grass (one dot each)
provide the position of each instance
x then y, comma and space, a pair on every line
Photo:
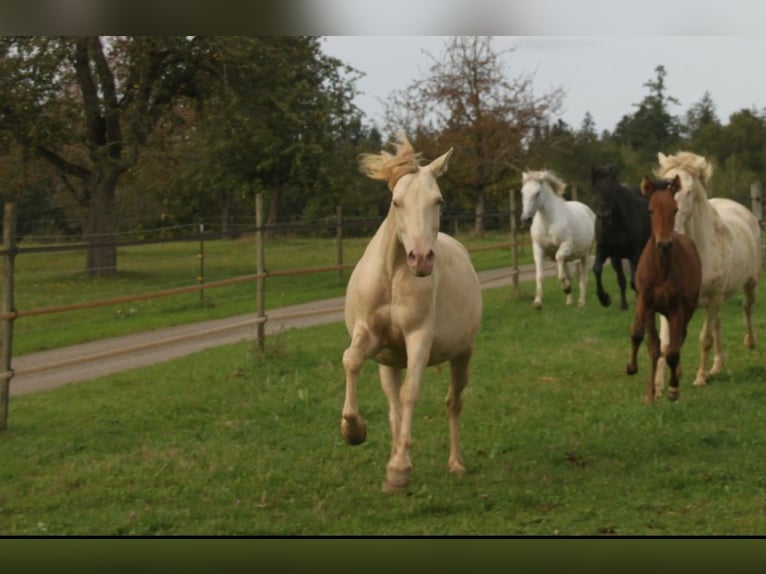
557, 439
52, 279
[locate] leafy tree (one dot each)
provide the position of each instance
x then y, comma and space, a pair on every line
468, 102
87, 105
651, 128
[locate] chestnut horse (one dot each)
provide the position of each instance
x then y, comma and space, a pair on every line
668, 282
413, 300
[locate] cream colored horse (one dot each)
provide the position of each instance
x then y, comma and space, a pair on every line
728, 239
413, 300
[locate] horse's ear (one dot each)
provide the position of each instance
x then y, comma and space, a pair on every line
661, 157
675, 185
439, 165
647, 186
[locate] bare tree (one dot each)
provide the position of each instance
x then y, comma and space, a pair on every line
469, 101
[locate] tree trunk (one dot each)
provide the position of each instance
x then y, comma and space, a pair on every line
478, 229
102, 224
273, 211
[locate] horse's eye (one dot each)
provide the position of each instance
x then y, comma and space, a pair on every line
440, 201
395, 203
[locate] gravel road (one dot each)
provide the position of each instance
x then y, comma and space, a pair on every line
49, 369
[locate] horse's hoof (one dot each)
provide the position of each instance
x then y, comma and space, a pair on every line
537, 304
673, 394
623, 306
700, 381
457, 468
567, 289
631, 369
396, 480
750, 342
605, 300
354, 430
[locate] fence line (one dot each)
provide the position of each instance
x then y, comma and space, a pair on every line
8, 312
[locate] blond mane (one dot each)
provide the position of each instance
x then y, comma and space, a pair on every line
546, 175
690, 162
390, 167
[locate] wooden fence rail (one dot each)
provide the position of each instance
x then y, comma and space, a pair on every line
8, 312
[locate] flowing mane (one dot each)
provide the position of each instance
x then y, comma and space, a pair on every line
546, 175
388, 167
687, 161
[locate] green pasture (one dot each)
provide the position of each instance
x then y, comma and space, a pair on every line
557, 439
53, 279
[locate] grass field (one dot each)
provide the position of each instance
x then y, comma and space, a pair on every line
556, 437
45, 280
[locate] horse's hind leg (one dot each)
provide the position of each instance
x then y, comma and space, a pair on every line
563, 271
459, 376
750, 339
636, 337
363, 346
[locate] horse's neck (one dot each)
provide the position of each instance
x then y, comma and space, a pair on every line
553, 209
700, 226
390, 250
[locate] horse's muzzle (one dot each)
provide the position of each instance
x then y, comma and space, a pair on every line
422, 264
664, 246
526, 221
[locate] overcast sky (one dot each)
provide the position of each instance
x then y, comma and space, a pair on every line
600, 53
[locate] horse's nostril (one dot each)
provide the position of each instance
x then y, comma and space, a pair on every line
411, 256
430, 255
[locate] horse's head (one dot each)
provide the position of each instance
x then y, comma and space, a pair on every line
534, 186
694, 173
603, 185
662, 208
415, 201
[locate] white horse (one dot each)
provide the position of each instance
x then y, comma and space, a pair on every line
413, 300
728, 239
563, 230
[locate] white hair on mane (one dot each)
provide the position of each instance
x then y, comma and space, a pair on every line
545, 175
687, 161
390, 167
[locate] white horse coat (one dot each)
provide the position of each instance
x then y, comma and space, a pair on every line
728, 239
562, 230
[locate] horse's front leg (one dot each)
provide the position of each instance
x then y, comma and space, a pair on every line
391, 381
459, 376
636, 336
539, 256
598, 268
659, 378
707, 336
364, 344
399, 468
653, 345
677, 326
583, 278
621, 282
562, 254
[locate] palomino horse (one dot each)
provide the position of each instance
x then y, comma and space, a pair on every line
667, 282
622, 229
413, 300
562, 230
728, 238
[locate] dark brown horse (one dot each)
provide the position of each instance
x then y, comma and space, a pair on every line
668, 282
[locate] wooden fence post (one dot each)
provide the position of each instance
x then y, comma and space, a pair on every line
339, 241
9, 245
756, 202
260, 284
201, 257
514, 241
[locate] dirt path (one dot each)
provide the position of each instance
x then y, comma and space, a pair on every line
48, 369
